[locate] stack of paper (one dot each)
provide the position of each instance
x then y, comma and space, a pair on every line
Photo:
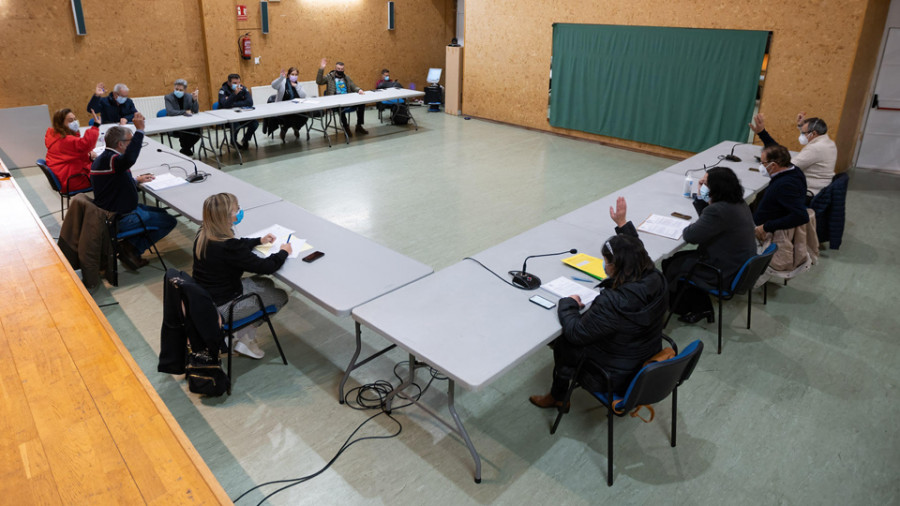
664, 226
565, 287
281, 236
165, 180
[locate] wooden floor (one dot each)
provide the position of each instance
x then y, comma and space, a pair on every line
79, 422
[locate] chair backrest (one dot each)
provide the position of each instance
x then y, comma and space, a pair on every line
654, 382
311, 88
161, 113
51, 177
200, 313
752, 270
215, 105
260, 94
149, 105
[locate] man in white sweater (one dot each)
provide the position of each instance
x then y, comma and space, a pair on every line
819, 153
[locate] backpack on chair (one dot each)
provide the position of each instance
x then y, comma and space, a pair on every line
400, 114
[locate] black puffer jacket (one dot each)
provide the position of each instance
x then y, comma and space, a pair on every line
622, 328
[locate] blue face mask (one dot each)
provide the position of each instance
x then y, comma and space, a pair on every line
234, 87
121, 100
704, 192
238, 217
179, 94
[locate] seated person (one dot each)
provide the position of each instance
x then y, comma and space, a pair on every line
338, 83
287, 87
68, 152
179, 103
385, 81
116, 108
819, 153
220, 260
623, 327
783, 206
725, 239
234, 94
115, 190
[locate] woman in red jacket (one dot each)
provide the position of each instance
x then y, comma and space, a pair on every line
68, 153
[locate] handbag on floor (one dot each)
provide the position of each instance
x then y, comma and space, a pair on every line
205, 376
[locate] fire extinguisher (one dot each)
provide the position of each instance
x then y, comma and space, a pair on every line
244, 46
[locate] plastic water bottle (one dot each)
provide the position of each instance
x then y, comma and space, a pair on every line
688, 187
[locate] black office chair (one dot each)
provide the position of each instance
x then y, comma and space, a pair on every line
652, 384
116, 237
743, 283
56, 186
231, 326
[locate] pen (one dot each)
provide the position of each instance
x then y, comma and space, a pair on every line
582, 279
289, 239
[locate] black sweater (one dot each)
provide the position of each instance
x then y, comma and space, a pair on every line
226, 261
783, 206
114, 187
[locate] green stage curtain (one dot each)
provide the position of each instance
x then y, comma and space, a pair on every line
681, 88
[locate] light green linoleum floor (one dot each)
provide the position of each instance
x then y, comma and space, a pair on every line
802, 409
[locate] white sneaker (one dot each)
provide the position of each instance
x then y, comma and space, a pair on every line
248, 347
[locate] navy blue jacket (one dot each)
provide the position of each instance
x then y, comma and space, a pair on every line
830, 205
228, 98
111, 111
114, 187
783, 205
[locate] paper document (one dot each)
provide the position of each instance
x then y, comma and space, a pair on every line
165, 180
565, 287
281, 234
665, 226
587, 264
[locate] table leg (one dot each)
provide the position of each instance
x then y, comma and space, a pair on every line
406, 383
354, 365
462, 430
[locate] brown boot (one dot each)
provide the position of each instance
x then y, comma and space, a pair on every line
130, 257
546, 401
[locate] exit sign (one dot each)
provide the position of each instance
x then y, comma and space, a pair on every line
242, 13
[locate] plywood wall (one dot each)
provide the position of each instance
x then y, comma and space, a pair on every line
814, 46
147, 45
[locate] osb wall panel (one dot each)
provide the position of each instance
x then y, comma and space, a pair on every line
509, 43
146, 45
302, 32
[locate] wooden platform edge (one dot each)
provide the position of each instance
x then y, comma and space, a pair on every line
173, 424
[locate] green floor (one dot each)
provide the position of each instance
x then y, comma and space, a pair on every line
801, 409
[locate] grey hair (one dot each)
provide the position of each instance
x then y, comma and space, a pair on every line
182, 82
817, 125
115, 135
119, 87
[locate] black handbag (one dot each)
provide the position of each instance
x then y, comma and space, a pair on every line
205, 375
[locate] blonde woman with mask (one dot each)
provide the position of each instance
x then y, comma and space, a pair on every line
220, 260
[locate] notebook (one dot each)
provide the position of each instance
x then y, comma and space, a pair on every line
587, 264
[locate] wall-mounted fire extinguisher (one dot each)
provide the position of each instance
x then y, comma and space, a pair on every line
244, 46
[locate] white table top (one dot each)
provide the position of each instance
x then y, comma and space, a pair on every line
311, 104
188, 198
354, 269
173, 123
751, 180
472, 326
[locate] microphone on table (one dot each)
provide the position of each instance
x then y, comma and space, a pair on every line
730, 157
197, 177
527, 281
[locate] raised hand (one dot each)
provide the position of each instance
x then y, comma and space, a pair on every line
96, 118
138, 121
100, 90
618, 214
800, 117
758, 124
323, 63
283, 74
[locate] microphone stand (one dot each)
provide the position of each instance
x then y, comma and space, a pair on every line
528, 281
196, 177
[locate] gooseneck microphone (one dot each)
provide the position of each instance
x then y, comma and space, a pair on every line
527, 281
196, 177
730, 157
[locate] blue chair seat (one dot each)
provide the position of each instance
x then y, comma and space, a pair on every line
135, 231
249, 319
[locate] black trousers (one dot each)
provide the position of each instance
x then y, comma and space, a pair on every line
360, 115
694, 300
565, 361
187, 138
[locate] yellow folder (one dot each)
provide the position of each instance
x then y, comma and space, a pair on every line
587, 264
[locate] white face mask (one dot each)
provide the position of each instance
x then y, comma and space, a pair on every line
74, 126
804, 140
704, 192
763, 171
